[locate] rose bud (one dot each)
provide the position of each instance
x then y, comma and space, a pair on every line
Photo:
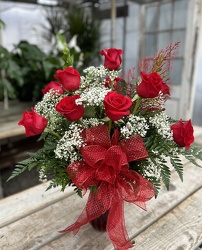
151, 85
116, 105
112, 58
183, 133
68, 107
53, 85
34, 123
69, 78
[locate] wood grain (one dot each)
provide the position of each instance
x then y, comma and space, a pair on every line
179, 229
39, 228
27, 202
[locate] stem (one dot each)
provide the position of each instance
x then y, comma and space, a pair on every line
137, 105
53, 133
110, 126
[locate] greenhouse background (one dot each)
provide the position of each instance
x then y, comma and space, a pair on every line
136, 28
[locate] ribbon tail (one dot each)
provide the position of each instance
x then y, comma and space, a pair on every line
116, 226
93, 209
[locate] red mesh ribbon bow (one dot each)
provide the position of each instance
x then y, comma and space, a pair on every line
105, 165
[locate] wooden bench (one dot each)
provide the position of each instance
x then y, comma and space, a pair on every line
31, 219
9, 119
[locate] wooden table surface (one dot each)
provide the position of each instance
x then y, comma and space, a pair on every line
9, 119
31, 219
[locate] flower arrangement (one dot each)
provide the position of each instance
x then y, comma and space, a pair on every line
109, 134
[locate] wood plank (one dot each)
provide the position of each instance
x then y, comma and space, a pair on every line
22, 204
42, 225
9, 118
137, 220
11, 130
179, 229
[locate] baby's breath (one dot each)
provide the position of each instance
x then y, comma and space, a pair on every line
46, 108
94, 76
161, 122
134, 125
67, 146
151, 170
42, 174
91, 122
93, 96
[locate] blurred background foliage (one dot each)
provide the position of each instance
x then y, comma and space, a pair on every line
27, 69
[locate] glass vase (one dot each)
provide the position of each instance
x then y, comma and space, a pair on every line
100, 223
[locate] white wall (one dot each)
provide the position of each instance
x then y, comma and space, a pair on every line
23, 22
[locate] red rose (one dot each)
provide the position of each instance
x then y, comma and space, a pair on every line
183, 133
69, 78
151, 85
112, 58
116, 105
68, 107
53, 85
34, 123
165, 89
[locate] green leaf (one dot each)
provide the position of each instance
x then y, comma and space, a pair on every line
19, 169
2, 24
165, 175
193, 154
67, 58
89, 112
178, 166
157, 184
8, 86
14, 72
122, 87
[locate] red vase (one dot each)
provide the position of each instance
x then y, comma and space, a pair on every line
100, 223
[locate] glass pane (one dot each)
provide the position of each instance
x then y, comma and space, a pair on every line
180, 14
165, 16
150, 45
151, 18
164, 40
179, 36
176, 72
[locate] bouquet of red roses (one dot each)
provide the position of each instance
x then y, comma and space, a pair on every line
109, 134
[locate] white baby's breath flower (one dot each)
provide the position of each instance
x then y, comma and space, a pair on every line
134, 125
161, 122
151, 170
42, 175
94, 96
67, 146
46, 108
94, 76
91, 122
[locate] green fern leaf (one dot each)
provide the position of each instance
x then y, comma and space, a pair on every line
157, 184
19, 169
194, 154
178, 166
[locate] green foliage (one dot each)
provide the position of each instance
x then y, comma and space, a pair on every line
10, 71
37, 70
156, 182
74, 23
44, 160
67, 58
157, 147
177, 164
2, 24
88, 31
194, 154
